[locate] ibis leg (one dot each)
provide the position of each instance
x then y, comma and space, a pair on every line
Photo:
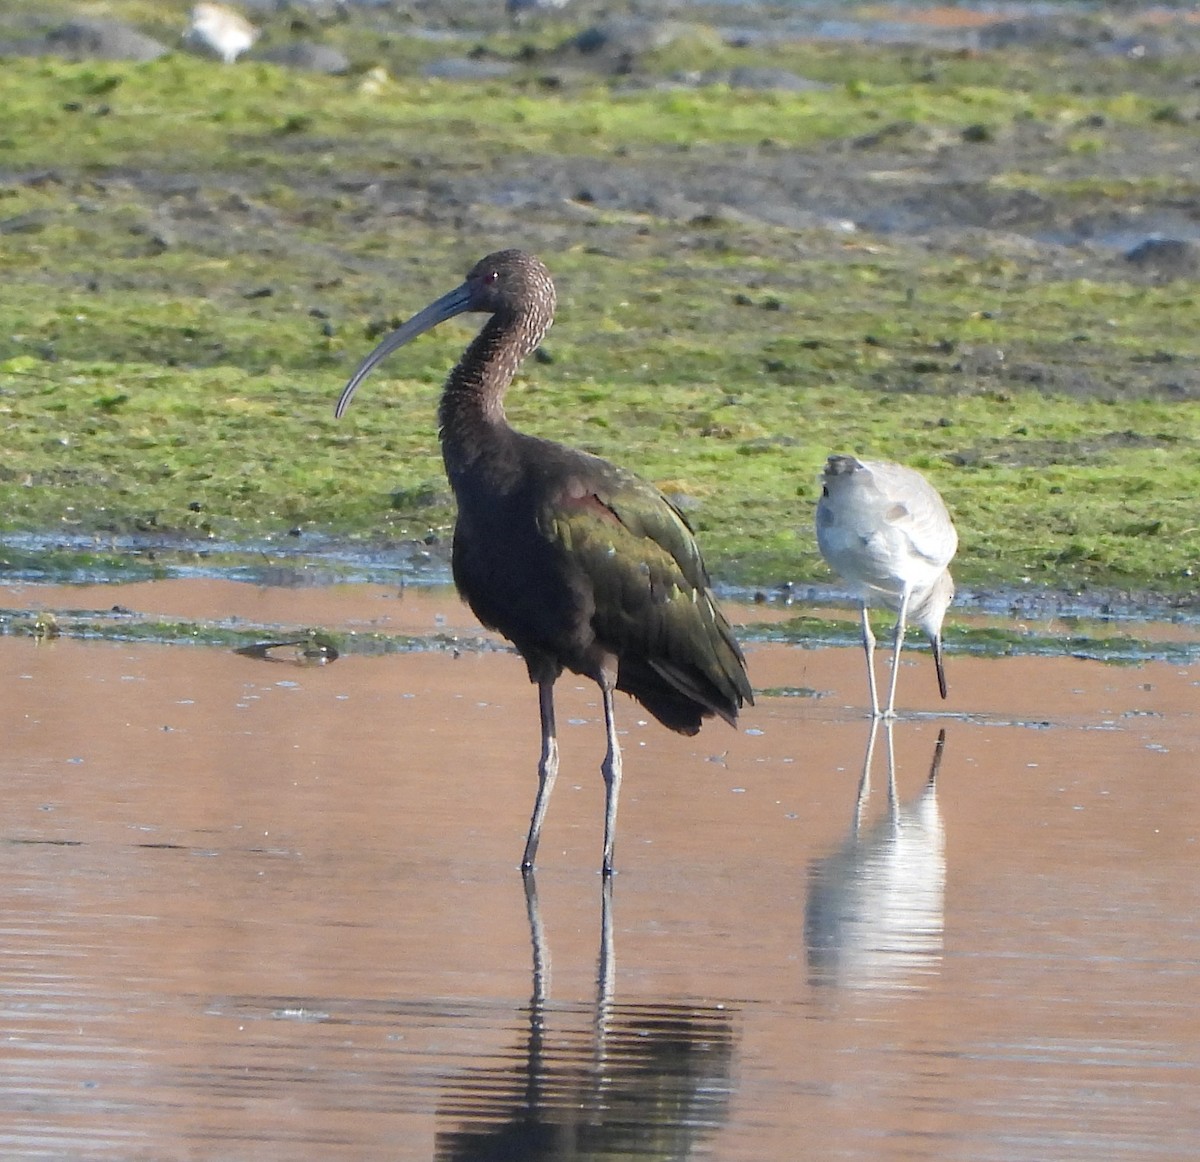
901, 625
611, 770
869, 650
547, 772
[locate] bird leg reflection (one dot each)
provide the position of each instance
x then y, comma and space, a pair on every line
531, 1098
893, 798
537, 937
611, 770
864, 783
605, 973
547, 771
606, 967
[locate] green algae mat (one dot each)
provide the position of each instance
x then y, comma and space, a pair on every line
193, 258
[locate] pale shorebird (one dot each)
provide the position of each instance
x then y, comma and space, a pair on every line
220, 31
884, 528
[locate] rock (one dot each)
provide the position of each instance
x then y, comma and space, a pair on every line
1055, 30
316, 9
313, 58
783, 80
456, 68
630, 37
980, 359
1168, 258
108, 40
518, 7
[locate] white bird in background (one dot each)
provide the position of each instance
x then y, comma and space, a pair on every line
886, 531
220, 31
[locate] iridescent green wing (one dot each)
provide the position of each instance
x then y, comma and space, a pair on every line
649, 585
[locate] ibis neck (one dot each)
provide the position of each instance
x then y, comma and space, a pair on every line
471, 414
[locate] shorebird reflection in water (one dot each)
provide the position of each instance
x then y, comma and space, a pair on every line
580, 564
874, 916
884, 528
641, 1080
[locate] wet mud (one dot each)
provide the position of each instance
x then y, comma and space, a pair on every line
273, 911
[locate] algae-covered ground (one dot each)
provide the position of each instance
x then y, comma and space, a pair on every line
924, 257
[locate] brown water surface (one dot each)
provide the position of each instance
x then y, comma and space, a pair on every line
258, 911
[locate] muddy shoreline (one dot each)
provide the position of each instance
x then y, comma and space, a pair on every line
86, 594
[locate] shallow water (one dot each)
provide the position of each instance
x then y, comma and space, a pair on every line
272, 911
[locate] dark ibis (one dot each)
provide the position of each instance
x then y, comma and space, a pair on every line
580, 564
885, 529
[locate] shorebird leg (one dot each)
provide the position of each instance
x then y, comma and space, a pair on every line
869, 650
901, 624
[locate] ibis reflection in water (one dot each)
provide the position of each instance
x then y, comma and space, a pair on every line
580, 564
650, 1081
874, 916
884, 528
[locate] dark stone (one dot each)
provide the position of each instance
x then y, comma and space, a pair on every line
313, 58
1168, 258
517, 7
782, 80
103, 40
457, 68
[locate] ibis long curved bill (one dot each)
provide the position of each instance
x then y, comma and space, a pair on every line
454, 303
